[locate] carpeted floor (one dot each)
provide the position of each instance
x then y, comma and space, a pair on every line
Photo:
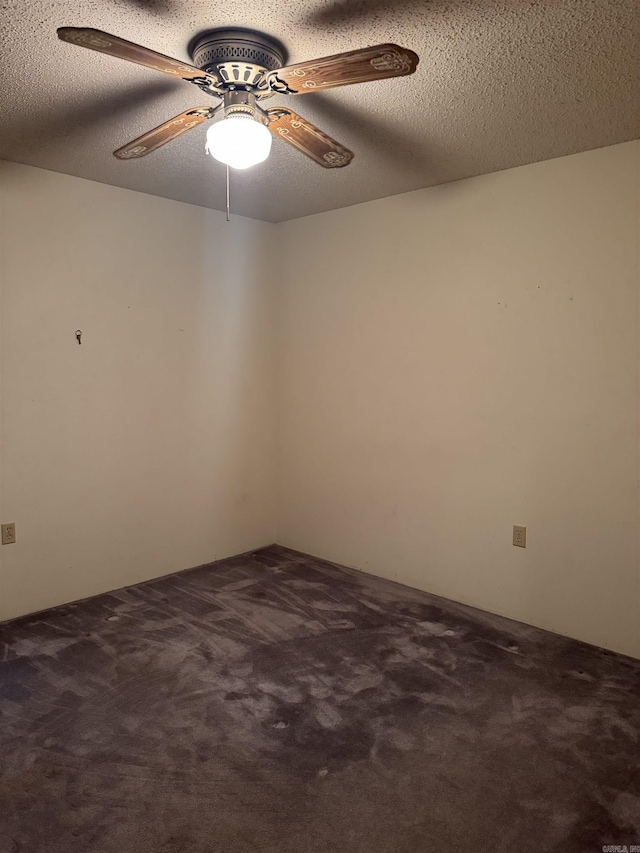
277, 703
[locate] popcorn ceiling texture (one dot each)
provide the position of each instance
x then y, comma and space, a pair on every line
499, 84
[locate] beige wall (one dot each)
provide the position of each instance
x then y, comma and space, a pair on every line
463, 358
150, 447
450, 362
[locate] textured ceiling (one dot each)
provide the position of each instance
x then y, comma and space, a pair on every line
499, 84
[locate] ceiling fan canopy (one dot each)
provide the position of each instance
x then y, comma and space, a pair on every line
237, 56
242, 68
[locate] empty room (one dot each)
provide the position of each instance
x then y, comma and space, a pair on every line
320, 426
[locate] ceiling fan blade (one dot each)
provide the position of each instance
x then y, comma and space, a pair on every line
114, 46
343, 69
164, 133
307, 138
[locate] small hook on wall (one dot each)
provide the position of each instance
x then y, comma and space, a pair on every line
79, 335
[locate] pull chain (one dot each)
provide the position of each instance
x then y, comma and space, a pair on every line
228, 218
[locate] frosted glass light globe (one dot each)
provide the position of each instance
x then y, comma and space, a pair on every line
239, 141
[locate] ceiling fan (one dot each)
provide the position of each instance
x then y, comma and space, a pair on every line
242, 68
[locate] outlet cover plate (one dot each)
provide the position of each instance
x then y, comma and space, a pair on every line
519, 536
8, 533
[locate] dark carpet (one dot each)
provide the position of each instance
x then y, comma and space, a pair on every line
277, 703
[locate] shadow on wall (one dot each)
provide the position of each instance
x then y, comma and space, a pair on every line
232, 339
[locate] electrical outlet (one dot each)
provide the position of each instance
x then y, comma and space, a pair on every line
519, 536
8, 533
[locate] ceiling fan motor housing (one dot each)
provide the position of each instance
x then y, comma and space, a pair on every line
242, 103
241, 58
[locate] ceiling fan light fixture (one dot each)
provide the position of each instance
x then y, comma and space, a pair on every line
239, 141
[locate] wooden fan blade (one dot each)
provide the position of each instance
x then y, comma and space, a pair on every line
357, 66
164, 133
114, 46
307, 138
